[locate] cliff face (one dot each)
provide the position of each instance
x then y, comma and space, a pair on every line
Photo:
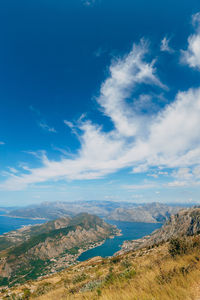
46, 248
185, 222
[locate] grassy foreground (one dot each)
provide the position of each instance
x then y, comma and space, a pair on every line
169, 271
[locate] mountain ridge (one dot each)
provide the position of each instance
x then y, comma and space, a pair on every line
49, 247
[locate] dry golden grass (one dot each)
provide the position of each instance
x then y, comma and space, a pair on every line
144, 275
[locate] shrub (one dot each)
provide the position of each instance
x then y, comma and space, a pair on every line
126, 263
43, 288
178, 246
99, 293
109, 277
79, 278
90, 286
115, 259
166, 276
27, 294
128, 274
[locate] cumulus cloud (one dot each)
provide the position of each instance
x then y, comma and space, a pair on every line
191, 56
188, 177
168, 139
164, 45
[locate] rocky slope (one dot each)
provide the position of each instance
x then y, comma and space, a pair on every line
185, 223
50, 247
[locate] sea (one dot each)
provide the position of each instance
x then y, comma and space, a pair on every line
7, 223
129, 230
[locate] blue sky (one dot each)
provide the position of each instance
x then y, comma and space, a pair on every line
99, 100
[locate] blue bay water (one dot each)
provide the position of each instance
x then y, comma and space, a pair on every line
8, 224
130, 231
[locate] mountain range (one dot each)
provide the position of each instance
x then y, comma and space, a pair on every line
124, 211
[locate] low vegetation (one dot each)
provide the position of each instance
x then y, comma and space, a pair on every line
165, 272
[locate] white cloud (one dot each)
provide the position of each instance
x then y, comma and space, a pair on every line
183, 173
191, 56
177, 184
153, 175
182, 183
163, 173
72, 126
69, 124
46, 127
139, 186
125, 74
12, 170
164, 46
2, 143
196, 171
175, 132
168, 139
186, 177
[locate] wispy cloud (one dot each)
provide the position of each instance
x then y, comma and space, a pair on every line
2, 143
177, 183
41, 123
164, 46
12, 170
99, 52
35, 110
168, 138
46, 127
139, 186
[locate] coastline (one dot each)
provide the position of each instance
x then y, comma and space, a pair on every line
26, 218
98, 244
